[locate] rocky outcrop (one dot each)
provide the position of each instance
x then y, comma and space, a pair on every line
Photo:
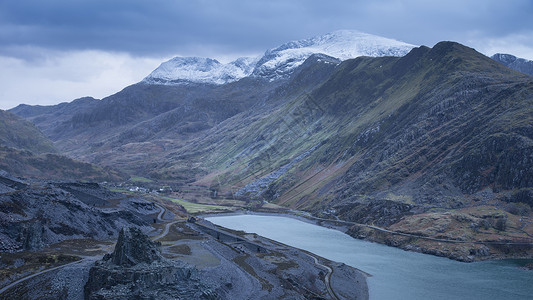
136, 270
133, 247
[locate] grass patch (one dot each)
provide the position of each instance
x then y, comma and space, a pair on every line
140, 179
180, 249
195, 207
180, 231
118, 190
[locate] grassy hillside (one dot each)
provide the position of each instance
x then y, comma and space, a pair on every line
18, 133
53, 167
26, 152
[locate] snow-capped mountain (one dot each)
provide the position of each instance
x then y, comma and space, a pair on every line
181, 70
276, 63
343, 44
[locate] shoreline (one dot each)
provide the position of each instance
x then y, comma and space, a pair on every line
346, 277
388, 241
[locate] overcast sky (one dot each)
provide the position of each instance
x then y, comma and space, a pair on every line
59, 50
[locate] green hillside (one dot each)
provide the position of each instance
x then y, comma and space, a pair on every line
18, 133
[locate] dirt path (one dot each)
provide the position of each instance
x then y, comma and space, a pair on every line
327, 278
162, 211
167, 226
7, 287
165, 231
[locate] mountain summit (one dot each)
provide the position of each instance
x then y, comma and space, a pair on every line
277, 63
343, 44
180, 70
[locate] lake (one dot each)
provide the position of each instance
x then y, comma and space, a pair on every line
396, 274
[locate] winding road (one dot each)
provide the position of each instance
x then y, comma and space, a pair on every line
327, 278
165, 231
167, 226
162, 211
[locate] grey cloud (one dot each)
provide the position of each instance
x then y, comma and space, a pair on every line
162, 28
42, 43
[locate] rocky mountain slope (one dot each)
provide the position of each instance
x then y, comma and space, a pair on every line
157, 119
361, 129
375, 140
390, 128
519, 64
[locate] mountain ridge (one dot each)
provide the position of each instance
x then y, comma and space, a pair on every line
276, 63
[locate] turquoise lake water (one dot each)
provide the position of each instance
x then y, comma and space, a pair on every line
396, 274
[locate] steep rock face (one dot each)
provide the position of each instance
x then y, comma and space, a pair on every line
136, 270
519, 64
457, 126
133, 247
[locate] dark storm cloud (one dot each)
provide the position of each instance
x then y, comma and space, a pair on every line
159, 27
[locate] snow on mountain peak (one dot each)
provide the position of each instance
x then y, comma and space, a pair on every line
200, 70
343, 44
276, 63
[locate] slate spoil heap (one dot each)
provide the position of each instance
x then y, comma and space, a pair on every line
137, 270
